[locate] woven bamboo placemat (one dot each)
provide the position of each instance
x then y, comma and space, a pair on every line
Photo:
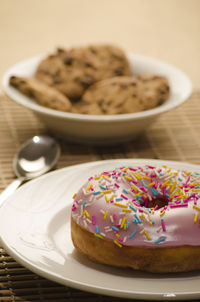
174, 136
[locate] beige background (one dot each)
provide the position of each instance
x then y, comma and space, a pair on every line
164, 29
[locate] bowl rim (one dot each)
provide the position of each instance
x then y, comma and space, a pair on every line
28, 103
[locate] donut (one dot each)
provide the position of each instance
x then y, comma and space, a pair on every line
146, 218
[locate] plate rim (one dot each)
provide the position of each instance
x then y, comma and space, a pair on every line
92, 288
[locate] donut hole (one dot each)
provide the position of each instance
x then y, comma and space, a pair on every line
157, 203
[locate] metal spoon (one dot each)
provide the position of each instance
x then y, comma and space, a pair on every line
36, 157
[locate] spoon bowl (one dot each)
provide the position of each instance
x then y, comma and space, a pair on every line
36, 156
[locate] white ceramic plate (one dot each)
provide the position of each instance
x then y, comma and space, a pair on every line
35, 230
103, 129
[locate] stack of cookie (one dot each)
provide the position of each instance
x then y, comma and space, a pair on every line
92, 80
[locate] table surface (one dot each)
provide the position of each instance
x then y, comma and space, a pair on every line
167, 30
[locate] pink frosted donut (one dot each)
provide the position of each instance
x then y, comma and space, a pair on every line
142, 217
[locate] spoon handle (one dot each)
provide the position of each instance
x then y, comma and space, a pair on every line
10, 189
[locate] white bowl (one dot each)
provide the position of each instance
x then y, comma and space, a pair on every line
105, 129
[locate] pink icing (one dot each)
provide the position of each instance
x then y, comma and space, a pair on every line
114, 206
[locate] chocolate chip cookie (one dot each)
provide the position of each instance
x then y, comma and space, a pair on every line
41, 93
72, 71
124, 94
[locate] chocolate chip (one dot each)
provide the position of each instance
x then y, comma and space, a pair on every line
124, 86
68, 61
12, 78
22, 82
56, 78
14, 84
133, 83
118, 105
160, 101
162, 91
117, 56
100, 102
103, 110
30, 93
118, 72
88, 65
87, 80
93, 50
12, 81
109, 102
60, 50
